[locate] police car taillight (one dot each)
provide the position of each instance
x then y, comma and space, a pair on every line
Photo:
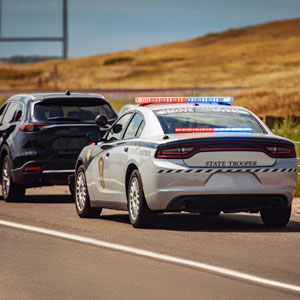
173, 152
286, 151
189, 149
168, 153
159, 100
283, 151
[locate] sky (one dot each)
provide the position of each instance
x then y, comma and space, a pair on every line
102, 26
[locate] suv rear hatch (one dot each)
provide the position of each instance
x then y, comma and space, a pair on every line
61, 124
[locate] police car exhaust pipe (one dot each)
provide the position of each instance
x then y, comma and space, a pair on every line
277, 202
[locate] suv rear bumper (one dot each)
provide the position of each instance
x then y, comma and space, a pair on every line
57, 175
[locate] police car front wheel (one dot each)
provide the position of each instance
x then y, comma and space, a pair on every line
82, 199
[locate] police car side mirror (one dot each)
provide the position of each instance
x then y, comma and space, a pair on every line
117, 128
101, 121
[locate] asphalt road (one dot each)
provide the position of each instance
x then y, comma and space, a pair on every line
39, 266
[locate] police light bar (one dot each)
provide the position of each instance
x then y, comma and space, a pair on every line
210, 99
156, 100
148, 100
219, 129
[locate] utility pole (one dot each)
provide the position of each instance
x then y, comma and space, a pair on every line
0, 17
65, 28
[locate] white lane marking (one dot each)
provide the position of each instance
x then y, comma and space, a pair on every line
157, 256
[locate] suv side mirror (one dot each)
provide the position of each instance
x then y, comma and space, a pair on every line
101, 121
94, 137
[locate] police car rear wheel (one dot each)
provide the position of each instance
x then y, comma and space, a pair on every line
82, 200
275, 216
140, 215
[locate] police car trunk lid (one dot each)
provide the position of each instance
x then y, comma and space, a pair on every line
231, 151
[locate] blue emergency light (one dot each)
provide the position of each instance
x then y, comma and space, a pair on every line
210, 99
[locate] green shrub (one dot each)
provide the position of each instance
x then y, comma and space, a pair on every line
116, 60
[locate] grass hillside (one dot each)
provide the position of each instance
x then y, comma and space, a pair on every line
264, 57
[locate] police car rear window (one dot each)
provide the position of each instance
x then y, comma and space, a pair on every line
206, 119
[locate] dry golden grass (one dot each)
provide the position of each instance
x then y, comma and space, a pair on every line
265, 57
276, 102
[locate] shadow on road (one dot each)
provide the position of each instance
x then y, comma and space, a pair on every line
46, 199
222, 223
183, 222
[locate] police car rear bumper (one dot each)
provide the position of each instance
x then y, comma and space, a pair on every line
227, 202
227, 190
187, 199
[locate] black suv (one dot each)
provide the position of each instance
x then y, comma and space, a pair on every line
41, 136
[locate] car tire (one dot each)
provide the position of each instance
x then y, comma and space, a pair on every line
82, 199
11, 191
276, 216
140, 215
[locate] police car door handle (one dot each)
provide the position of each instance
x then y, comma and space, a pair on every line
126, 149
107, 154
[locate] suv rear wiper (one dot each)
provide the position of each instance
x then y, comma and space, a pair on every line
63, 119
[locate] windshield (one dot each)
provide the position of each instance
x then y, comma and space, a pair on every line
49, 112
206, 119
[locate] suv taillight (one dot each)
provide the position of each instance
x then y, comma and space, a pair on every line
29, 127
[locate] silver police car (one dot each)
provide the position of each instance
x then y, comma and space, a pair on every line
193, 154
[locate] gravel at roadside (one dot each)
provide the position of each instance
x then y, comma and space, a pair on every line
296, 205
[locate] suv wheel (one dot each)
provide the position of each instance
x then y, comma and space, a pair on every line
11, 192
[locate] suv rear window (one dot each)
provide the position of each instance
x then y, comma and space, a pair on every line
205, 117
77, 110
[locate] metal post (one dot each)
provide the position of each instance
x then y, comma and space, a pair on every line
63, 38
0, 17
65, 28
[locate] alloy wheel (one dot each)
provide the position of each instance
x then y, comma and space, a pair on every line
80, 191
5, 178
134, 198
